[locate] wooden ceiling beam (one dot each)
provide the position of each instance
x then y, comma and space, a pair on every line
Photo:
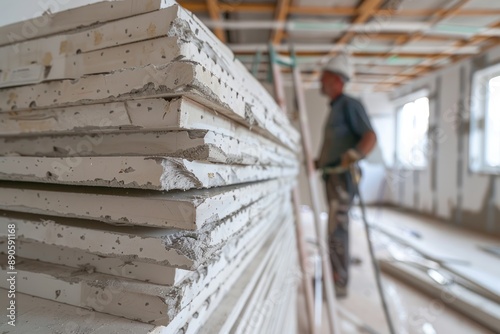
327, 11
355, 81
401, 54
429, 12
215, 15
493, 42
330, 11
280, 15
366, 10
435, 18
392, 36
447, 13
377, 74
225, 7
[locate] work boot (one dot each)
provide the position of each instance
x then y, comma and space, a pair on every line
340, 291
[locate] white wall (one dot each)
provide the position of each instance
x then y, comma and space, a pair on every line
467, 205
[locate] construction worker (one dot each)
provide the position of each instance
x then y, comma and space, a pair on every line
348, 138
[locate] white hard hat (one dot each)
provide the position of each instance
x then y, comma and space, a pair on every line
341, 65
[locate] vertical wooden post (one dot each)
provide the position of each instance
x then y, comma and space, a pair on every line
314, 191
313, 188
280, 98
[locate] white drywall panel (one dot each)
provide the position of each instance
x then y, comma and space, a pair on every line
497, 192
407, 199
169, 247
222, 320
153, 173
91, 262
146, 114
384, 126
192, 145
170, 80
423, 188
46, 17
448, 146
136, 300
249, 101
189, 210
194, 324
44, 316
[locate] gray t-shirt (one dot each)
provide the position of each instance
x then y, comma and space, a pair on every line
345, 126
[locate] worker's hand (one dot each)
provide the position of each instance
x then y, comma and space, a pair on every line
350, 157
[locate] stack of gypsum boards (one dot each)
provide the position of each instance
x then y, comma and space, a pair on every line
148, 174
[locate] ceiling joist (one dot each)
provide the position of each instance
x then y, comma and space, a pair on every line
215, 15
392, 46
280, 16
434, 19
491, 42
330, 11
366, 11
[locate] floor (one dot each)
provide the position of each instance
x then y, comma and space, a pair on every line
412, 312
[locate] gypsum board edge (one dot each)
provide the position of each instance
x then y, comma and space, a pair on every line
176, 209
169, 247
199, 145
64, 21
153, 173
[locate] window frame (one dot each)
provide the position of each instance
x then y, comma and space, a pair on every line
478, 113
399, 105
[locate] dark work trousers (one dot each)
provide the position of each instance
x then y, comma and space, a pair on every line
340, 193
